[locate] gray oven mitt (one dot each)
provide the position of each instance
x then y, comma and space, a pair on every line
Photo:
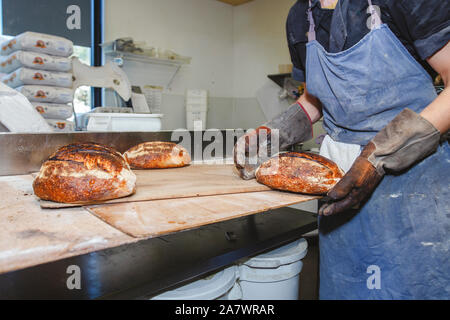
407, 139
288, 128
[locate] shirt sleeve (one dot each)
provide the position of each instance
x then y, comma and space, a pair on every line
296, 38
425, 23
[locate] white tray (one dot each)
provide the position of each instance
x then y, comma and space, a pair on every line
124, 122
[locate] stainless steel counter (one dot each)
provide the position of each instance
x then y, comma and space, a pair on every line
142, 269
24, 153
148, 266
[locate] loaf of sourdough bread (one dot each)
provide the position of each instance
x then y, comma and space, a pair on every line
157, 155
84, 173
299, 172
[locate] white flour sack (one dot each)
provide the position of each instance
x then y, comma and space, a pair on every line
34, 60
24, 76
17, 114
47, 94
38, 42
61, 125
53, 110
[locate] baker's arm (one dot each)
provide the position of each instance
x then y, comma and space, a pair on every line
289, 127
438, 112
311, 105
406, 140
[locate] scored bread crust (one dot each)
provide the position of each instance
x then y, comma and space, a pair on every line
157, 155
303, 172
84, 173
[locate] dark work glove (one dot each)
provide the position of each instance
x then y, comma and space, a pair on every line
407, 139
288, 128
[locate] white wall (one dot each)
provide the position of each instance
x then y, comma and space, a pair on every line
259, 43
201, 29
233, 49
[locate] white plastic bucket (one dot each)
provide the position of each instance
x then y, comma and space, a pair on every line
219, 286
273, 275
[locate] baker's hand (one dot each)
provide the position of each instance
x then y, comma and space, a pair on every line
286, 129
247, 151
404, 141
354, 187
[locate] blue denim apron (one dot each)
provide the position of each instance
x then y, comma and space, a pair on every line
396, 246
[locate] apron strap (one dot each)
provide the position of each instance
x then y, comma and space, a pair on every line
375, 21
312, 25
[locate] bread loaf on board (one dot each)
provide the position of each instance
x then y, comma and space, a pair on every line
157, 155
299, 172
84, 173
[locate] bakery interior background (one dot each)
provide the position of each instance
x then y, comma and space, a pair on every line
224, 51
180, 57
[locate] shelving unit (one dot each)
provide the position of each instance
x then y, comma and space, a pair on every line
145, 70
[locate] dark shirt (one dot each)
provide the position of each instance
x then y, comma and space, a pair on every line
423, 26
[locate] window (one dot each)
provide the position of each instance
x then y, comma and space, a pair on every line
77, 20
82, 100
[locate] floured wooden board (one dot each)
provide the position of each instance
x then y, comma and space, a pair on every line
191, 181
31, 235
160, 217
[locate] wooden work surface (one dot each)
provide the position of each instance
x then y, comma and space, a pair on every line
192, 181
156, 218
32, 235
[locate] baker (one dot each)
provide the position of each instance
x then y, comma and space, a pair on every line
385, 230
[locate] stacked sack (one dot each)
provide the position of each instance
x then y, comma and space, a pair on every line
38, 66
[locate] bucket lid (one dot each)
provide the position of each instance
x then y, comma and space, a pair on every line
287, 254
208, 288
